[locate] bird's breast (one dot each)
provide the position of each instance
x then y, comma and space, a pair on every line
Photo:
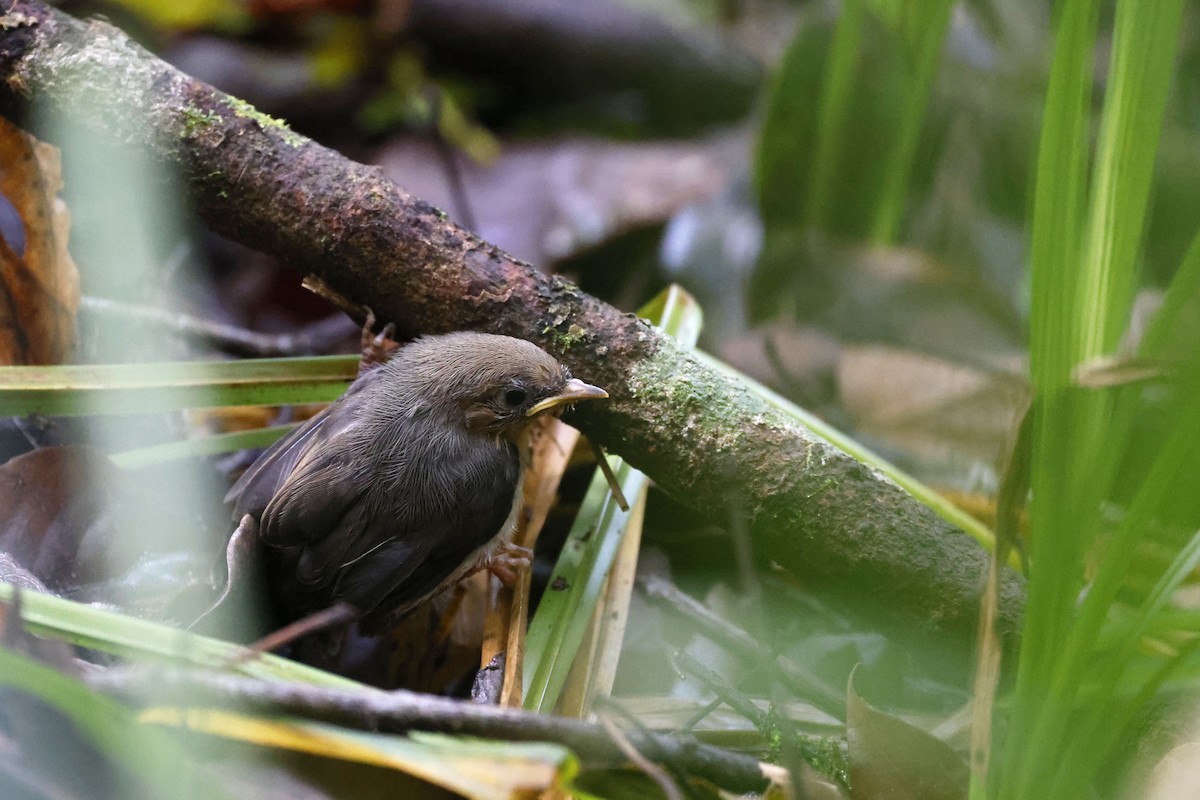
436, 474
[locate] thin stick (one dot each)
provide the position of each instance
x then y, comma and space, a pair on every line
341, 613
613, 484
653, 771
315, 338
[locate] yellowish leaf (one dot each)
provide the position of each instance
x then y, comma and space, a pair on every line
471, 767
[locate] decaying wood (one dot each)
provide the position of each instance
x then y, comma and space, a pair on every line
700, 435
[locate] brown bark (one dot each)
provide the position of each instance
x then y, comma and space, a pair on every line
401, 711
700, 435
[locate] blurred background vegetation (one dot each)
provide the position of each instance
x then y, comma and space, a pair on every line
883, 208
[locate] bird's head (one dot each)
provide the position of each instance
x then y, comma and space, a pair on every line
498, 383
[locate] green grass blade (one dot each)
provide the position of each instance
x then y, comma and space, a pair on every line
557, 629
1083, 280
141, 388
1143, 57
924, 26
199, 447
834, 109
1181, 295
1060, 197
562, 618
123, 635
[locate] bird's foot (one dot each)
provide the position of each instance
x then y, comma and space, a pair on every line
376, 347
508, 561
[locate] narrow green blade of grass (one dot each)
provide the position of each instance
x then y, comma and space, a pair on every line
1059, 208
557, 629
1060, 196
1143, 57
1084, 278
123, 635
141, 388
1091, 746
1181, 295
923, 25
833, 109
676, 312
943, 507
1094, 727
199, 447
468, 767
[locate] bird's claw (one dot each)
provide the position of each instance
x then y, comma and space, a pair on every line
376, 347
508, 562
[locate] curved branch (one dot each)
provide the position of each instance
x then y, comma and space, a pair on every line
700, 435
400, 711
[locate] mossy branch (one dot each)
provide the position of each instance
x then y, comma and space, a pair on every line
701, 435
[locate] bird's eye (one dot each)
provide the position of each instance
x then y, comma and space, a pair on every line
515, 397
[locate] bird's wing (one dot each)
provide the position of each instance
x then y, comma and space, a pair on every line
390, 558
319, 519
367, 581
322, 494
420, 560
262, 481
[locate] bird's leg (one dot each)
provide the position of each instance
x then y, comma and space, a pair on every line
376, 347
507, 562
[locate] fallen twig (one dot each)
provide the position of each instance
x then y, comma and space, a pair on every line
400, 711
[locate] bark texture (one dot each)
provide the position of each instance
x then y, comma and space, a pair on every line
698, 434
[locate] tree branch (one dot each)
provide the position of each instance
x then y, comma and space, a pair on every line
700, 435
400, 711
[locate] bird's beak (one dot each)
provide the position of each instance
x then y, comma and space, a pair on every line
572, 392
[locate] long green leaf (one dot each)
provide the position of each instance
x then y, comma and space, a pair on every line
930, 497
833, 109
140, 388
923, 24
1083, 279
1060, 198
557, 629
200, 446
120, 634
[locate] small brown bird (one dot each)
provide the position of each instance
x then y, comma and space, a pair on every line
407, 482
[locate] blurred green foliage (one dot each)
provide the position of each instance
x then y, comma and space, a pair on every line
901, 124
864, 144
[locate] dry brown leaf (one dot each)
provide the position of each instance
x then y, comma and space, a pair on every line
933, 408
892, 759
544, 201
49, 499
39, 289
